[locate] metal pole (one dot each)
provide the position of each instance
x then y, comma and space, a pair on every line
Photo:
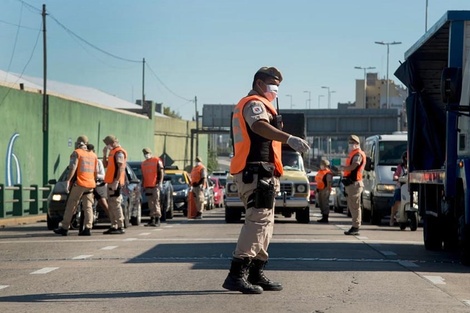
143, 84
365, 88
388, 83
426, 18
197, 128
45, 105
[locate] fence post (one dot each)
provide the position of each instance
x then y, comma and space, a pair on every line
34, 205
18, 195
2, 200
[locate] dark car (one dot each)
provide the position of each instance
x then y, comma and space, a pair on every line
166, 196
131, 202
181, 182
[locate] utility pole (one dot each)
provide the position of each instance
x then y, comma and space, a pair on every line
143, 84
45, 104
197, 129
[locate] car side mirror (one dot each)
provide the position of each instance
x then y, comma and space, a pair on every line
52, 181
369, 165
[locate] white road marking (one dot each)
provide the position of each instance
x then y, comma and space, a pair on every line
109, 248
388, 252
467, 302
362, 237
437, 280
144, 234
130, 239
4, 286
168, 226
82, 257
45, 270
408, 264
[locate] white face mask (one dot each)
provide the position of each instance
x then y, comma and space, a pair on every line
147, 156
271, 92
353, 146
322, 167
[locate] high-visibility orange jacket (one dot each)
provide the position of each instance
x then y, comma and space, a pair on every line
320, 178
111, 170
151, 172
86, 168
197, 174
242, 140
355, 175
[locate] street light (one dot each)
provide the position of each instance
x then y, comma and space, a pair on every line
329, 95
388, 53
309, 98
290, 100
319, 96
365, 82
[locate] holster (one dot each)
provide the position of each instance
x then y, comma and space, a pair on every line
264, 194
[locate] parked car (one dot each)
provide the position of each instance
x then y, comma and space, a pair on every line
209, 202
332, 198
181, 182
166, 196
131, 202
222, 176
219, 191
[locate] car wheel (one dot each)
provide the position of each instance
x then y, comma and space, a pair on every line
137, 219
52, 223
302, 215
169, 214
125, 212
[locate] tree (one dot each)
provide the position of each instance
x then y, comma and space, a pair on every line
169, 112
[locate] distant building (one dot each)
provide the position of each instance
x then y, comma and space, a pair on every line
376, 93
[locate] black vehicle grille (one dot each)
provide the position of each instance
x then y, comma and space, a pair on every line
288, 188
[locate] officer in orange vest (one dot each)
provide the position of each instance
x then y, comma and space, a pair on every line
152, 180
256, 167
198, 182
324, 178
115, 164
352, 180
81, 180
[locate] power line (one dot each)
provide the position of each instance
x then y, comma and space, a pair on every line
166, 87
16, 25
16, 39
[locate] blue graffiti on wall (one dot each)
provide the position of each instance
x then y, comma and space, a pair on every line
12, 164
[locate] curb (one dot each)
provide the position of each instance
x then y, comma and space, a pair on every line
22, 220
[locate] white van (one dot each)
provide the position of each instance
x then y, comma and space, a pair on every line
383, 152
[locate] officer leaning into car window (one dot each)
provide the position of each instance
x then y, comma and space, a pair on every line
152, 181
256, 167
80, 183
353, 183
100, 192
115, 164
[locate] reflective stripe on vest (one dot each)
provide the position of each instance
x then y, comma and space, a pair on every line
319, 178
242, 141
150, 172
360, 168
86, 168
111, 170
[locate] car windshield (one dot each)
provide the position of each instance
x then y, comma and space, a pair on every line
390, 152
176, 179
292, 161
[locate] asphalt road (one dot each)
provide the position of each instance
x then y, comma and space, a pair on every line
180, 267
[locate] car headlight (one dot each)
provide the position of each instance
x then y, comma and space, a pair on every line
232, 188
56, 197
301, 188
385, 188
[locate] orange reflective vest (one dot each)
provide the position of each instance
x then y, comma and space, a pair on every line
111, 170
358, 171
196, 174
86, 168
151, 171
242, 141
320, 178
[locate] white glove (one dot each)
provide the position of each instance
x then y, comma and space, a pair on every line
114, 185
298, 144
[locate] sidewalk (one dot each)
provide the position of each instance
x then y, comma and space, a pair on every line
22, 220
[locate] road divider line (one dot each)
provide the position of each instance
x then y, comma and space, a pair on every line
130, 239
109, 248
437, 280
4, 286
82, 257
44, 270
144, 234
362, 237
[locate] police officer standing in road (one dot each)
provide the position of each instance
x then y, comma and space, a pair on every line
81, 179
353, 183
115, 164
198, 182
256, 167
324, 179
152, 180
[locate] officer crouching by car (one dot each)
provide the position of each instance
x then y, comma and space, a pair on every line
256, 167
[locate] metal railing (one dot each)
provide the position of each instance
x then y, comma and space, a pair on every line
15, 200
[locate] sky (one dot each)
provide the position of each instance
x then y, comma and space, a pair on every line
211, 49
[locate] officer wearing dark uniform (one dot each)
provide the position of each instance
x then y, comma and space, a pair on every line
256, 167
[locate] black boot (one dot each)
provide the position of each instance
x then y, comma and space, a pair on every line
151, 222
256, 276
236, 279
157, 222
324, 219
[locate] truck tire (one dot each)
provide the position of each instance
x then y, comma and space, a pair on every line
431, 234
233, 215
302, 215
